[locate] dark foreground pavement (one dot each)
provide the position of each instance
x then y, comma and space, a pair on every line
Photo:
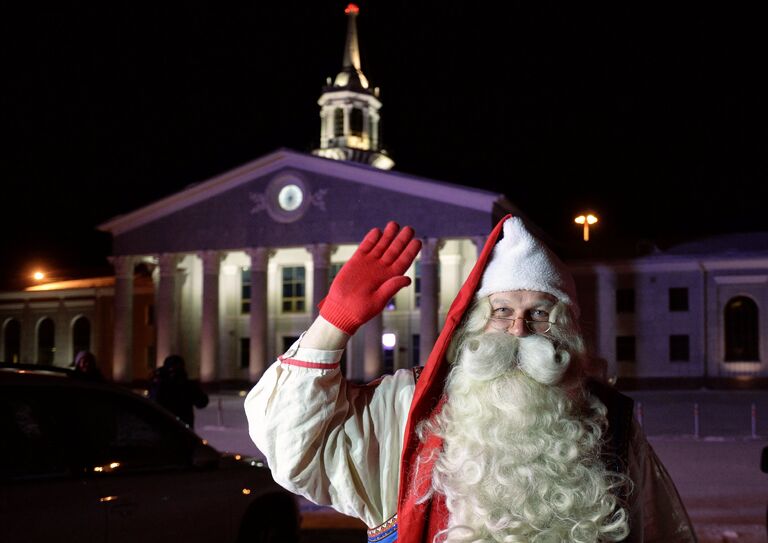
718, 474
718, 479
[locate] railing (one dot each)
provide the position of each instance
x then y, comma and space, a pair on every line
703, 415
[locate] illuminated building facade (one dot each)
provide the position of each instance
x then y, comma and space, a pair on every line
695, 312
240, 262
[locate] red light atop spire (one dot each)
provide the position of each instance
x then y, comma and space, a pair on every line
353, 9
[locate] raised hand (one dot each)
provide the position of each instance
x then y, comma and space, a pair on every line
370, 278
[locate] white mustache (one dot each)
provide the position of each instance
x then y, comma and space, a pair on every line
540, 361
490, 355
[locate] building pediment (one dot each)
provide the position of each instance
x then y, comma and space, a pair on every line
288, 198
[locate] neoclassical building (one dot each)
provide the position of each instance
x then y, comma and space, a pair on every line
229, 272
240, 262
694, 314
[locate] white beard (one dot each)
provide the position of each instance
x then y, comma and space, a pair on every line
519, 462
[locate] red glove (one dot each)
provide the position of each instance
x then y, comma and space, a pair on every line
370, 278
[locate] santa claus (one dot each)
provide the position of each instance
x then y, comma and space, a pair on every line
503, 437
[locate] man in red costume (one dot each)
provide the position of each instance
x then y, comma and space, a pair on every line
501, 438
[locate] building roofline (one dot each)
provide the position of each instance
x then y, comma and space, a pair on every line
662, 262
439, 191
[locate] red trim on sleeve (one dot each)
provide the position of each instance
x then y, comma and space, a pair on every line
305, 364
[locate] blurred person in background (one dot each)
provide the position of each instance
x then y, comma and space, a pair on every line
85, 366
174, 390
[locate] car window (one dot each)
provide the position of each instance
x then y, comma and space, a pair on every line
55, 431
118, 434
31, 444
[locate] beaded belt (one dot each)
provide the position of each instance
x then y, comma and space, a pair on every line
384, 533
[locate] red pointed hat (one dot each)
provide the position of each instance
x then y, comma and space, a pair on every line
415, 520
512, 259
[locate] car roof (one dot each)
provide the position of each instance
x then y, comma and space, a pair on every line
66, 378
6, 368
57, 376
32, 375
39, 374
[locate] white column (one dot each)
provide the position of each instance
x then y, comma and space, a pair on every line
321, 261
167, 307
347, 111
28, 335
372, 355
376, 133
329, 127
323, 128
122, 348
258, 317
209, 330
100, 315
62, 340
428, 263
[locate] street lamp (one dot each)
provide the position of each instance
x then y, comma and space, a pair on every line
38, 276
586, 220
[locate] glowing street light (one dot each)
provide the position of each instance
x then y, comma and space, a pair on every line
586, 220
389, 340
38, 276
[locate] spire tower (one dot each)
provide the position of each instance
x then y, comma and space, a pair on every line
349, 109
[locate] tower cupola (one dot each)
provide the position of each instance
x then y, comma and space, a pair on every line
349, 109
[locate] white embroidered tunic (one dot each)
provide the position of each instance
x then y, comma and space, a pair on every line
339, 444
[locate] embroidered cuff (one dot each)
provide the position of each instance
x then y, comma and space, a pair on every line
384, 533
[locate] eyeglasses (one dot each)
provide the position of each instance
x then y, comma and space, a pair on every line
534, 327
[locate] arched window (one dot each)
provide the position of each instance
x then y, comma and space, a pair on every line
741, 330
356, 121
46, 332
12, 337
338, 122
81, 335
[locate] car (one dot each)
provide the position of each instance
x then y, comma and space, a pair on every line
84, 461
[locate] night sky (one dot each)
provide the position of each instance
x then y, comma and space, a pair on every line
654, 116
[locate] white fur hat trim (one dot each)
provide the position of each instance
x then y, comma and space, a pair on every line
521, 262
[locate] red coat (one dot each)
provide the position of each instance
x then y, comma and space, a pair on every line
417, 522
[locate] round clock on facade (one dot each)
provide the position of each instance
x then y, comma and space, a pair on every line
290, 197
287, 197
